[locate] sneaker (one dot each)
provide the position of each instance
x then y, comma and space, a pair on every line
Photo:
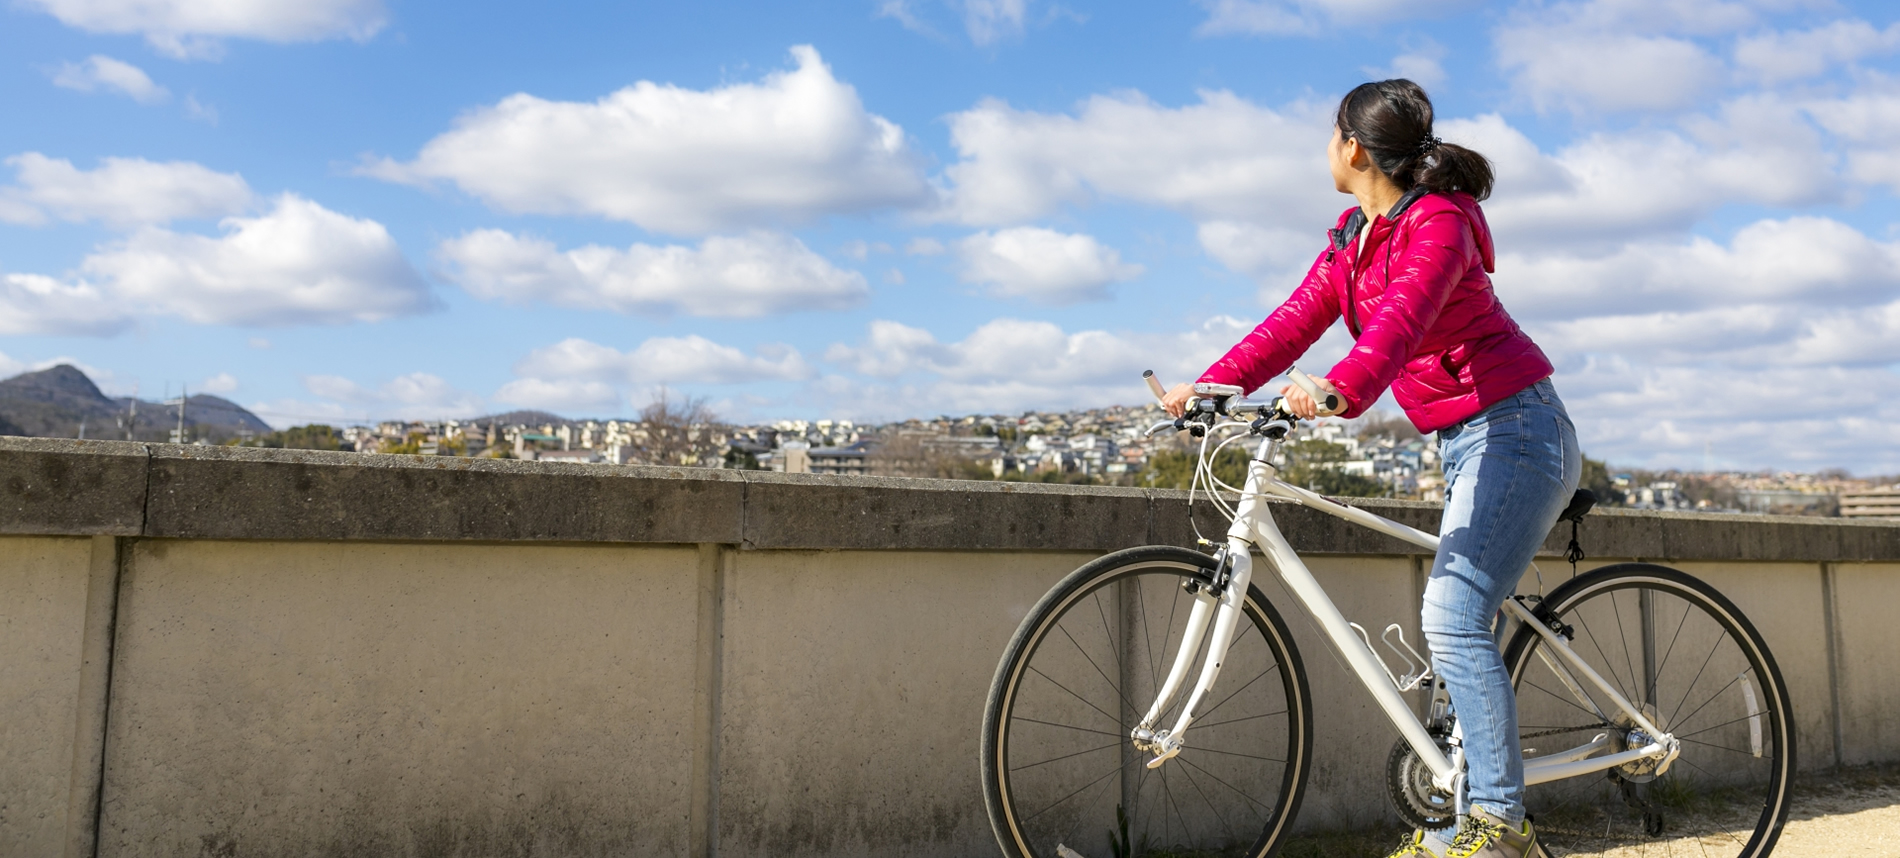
1480, 836
1415, 846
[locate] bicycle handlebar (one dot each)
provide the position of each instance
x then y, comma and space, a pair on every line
1329, 403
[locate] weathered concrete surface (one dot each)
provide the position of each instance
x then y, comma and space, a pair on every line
328, 699
42, 623
72, 488
328, 654
853, 692
1350, 735
57, 487
1866, 595
1784, 603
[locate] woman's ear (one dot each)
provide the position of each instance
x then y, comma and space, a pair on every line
1356, 155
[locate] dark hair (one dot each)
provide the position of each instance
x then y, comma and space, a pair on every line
1392, 119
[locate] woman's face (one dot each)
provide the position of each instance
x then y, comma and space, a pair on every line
1339, 154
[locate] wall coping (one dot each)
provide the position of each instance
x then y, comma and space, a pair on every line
52, 486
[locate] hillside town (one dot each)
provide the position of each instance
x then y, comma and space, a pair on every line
1100, 445
1378, 455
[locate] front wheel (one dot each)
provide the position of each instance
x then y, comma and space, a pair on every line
1683, 653
1061, 776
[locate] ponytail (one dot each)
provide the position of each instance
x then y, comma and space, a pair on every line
1392, 120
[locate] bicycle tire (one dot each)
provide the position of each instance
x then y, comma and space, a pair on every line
1010, 734
1738, 748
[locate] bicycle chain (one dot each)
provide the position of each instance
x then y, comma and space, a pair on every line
1566, 730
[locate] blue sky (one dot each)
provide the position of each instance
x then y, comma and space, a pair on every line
340, 210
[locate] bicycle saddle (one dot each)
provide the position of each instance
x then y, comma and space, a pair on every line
1580, 505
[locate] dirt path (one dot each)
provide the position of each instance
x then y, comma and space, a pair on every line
1846, 824
1851, 814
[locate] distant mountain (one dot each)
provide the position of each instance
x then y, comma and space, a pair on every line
523, 418
56, 402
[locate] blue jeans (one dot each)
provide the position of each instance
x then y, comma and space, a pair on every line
1509, 471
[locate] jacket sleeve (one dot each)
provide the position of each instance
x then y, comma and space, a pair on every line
1286, 334
1440, 250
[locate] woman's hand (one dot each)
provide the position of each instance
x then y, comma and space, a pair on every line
1299, 403
1175, 403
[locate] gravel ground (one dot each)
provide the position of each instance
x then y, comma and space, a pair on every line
1854, 813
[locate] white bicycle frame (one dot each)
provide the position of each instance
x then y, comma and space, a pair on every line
1254, 529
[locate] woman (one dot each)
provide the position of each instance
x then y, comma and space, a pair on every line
1408, 268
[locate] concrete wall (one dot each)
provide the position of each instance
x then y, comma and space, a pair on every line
231, 653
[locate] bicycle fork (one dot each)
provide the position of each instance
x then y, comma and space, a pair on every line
1221, 611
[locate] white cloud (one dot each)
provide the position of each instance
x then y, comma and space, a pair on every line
223, 382
1868, 120
757, 274
924, 247
992, 21
1043, 265
1566, 68
1807, 261
1013, 364
1780, 55
561, 395
103, 72
1308, 17
414, 395
120, 191
188, 29
1224, 157
1422, 63
577, 374
36, 304
1611, 187
1637, 414
663, 360
793, 147
300, 263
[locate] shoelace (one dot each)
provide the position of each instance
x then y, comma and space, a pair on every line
1476, 834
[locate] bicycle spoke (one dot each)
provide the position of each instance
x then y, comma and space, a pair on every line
1239, 754
1719, 747
1091, 660
1237, 691
1015, 718
1210, 804
1624, 636
1067, 756
1200, 726
1560, 699
1718, 693
1085, 701
1217, 779
1730, 798
1078, 791
1607, 663
1692, 683
1052, 761
1114, 646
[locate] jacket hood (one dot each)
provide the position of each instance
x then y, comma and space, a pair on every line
1419, 203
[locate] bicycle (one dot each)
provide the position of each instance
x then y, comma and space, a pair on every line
1689, 751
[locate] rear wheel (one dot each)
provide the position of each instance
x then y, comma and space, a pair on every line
1059, 770
1684, 654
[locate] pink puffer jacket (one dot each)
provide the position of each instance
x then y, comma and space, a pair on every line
1424, 318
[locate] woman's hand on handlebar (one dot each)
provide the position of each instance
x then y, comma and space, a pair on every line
1175, 403
1300, 403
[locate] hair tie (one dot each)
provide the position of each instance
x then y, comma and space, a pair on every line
1428, 145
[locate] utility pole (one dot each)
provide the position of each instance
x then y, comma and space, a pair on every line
178, 435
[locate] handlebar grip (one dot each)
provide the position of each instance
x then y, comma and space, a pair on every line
1329, 403
1154, 384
